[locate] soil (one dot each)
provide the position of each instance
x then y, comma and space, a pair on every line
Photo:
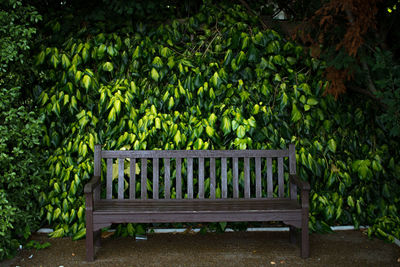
344, 248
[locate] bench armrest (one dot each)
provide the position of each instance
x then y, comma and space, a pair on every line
92, 184
303, 185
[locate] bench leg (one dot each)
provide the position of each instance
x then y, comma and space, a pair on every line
292, 234
97, 238
305, 244
90, 235
89, 244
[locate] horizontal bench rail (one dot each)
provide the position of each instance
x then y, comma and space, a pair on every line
193, 153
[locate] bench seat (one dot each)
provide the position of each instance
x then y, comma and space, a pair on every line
195, 210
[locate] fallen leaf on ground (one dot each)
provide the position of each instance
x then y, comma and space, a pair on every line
106, 234
73, 254
272, 262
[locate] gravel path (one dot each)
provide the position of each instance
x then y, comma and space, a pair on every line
344, 248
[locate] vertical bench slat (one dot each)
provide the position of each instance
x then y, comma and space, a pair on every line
166, 179
270, 187
156, 175
258, 177
109, 178
292, 170
224, 181
190, 178
178, 178
280, 177
132, 178
201, 177
246, 177
121, 180
97, 168
235, 171
143, 180
212, 178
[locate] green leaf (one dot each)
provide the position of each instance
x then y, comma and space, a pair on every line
154, 74
226, 125
131, 230
117, 106
241, 131
177, 137
54, 60
215, 80
85, 55
157, 62
101, 50
296, 115
80, 213
108, 66
212, 119
79, 235
171, 103
65, 61
332, 145
57, 233
40, 58
111, 116
86, 81
56, 213
312, 101
210, 131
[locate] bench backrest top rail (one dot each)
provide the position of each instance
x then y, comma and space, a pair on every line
194, 153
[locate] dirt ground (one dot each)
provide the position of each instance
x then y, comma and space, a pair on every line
343, 248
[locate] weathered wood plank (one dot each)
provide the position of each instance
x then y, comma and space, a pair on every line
270, 187
292, 170
246, 177
132, 179
292, 159
167, 178
121, 180
109, 178
178, 178
212, 178
156, 175
224, 181
193, 153
201, 177
190, 178
97, 160
258, 177
235, 172
97, 168
143, 181
280, 177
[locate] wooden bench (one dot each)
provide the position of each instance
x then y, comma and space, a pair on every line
219, 186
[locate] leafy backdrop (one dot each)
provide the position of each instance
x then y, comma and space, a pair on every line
211, 81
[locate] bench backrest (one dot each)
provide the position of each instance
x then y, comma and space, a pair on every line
196, 173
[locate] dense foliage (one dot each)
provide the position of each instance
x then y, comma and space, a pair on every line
20, 131
211, 81
359, 41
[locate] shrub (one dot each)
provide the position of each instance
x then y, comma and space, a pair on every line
20, 130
